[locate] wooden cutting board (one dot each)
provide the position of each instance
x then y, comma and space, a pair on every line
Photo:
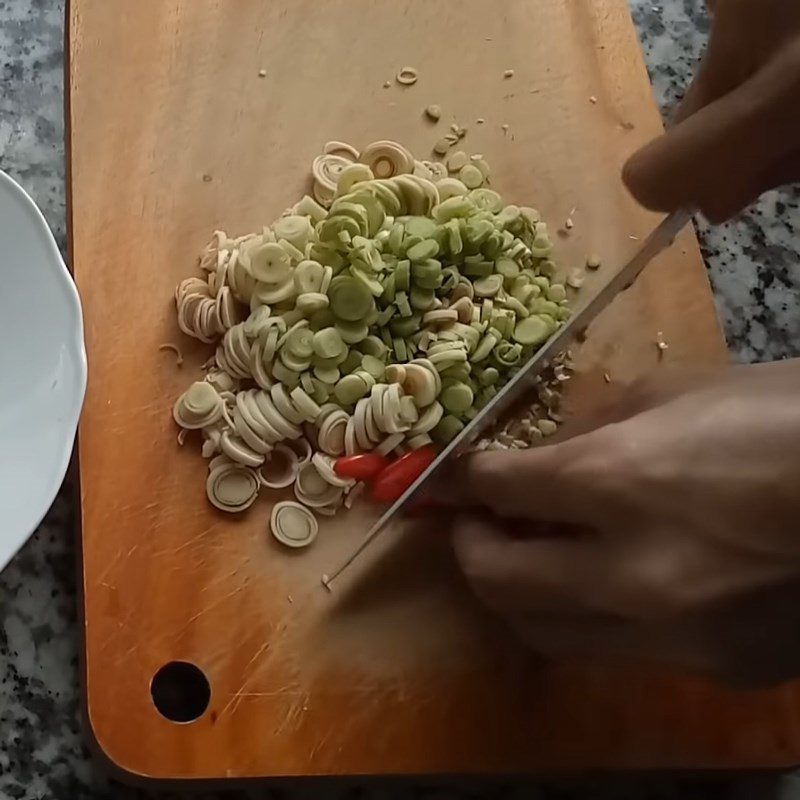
174, 134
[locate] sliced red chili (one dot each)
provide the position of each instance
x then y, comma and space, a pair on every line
362, 467
400, 474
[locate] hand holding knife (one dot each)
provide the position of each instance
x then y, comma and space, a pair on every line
658, 241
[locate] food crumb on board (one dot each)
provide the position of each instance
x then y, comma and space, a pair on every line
480, 121
207, 178
661, 344
569, 224
593, 100
433, 113
441, 146
175, 349
593, 261
575, 278
505, 127
262, 73
628, 126
606, 377
635, 238
387, 84
407, 76
289, 598
509, 73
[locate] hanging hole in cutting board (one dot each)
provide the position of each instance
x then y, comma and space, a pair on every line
180, 691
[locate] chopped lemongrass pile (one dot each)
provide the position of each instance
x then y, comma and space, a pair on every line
381, 314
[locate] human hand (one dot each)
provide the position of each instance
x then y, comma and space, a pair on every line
668, 533
737, 132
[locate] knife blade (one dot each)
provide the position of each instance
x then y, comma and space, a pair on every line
658, 241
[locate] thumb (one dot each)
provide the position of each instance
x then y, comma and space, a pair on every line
561, 482
514, 575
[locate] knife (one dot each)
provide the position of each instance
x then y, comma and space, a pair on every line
658, 241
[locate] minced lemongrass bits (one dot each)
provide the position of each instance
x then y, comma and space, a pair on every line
380, 314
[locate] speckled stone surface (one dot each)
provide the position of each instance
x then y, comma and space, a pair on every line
752, 260
753, 267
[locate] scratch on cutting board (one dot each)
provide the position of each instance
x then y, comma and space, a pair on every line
190, 543
122, 657
237, 696
319, 745
209, 607
221, 579
104, 574
294, 713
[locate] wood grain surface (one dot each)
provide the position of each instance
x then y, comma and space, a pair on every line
173, 134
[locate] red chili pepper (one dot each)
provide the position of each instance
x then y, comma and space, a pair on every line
400, 474
363, 467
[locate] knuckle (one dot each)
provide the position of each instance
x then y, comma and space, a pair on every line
485, 470
475, 557
648, 587
659, 590
610, 460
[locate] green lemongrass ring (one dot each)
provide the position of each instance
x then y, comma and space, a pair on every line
531, 331
350, 389
350, 299
457, 398
304, 404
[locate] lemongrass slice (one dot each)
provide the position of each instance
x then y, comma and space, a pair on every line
387, 159
292, 525
302, 449
325, 466
312, 489
279, 470
326, 170
232, 488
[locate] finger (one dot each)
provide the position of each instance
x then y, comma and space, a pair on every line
525, 576
592, 636
584, 480
723, 68
641, 395
606, 639
712, 82
714, 159
528, 484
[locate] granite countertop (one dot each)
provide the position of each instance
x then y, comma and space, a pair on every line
752, 264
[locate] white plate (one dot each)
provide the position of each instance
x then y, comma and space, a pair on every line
42, 367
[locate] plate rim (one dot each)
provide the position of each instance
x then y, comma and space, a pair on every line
75, 347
